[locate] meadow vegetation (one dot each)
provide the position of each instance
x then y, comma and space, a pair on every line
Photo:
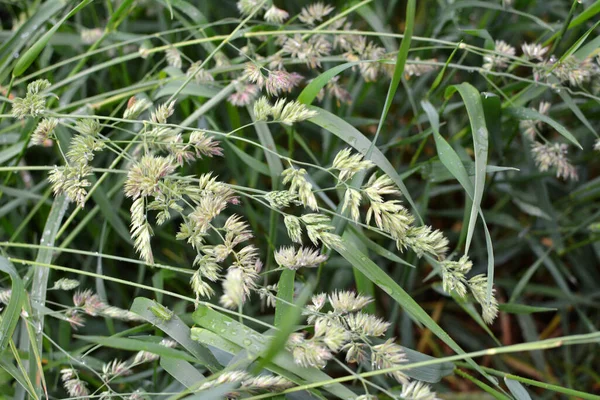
373, 199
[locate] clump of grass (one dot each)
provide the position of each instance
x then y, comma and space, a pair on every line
289, 208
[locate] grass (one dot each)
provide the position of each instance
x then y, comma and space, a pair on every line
179, 218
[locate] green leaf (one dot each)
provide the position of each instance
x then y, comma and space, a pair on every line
183, 371
310, 92
472, 100
32, 54
288, 319
108, 211
429, 373
252, 162
363, 284
523, 113
266, 140
21, 379
120, 13
137, 345
477, 118
11, 314
177, 330
400, 63
513, 308
25, 32
517, 389
285, 292
484, 34
191, 89
376, 248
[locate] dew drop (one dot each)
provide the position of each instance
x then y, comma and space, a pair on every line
386, 289
247, 342
16, 54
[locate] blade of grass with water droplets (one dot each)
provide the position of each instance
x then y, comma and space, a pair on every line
253, 341
177, 330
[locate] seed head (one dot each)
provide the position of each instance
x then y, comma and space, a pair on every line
65, 284
244, 95
500, 57
554, 155
289, 113
534, 51
90, 36
144, 177
417, 390
288, 257
389, 355
352, 199
247, 7
200, 74
349, 164
162, 112
489, 309
115, 368
173, 57
276, 15
233, 289
345, 301
42, 136
253, 73
314, 13
299, 185
136, 106
281, 199
367, 324
423, 239
34, 103
294, 229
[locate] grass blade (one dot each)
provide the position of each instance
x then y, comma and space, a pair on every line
10, 316
33, 52
523, 113
177, 330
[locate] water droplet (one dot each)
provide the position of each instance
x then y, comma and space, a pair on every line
16, 54
386, 289
247, 342
352, 141
24, 35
